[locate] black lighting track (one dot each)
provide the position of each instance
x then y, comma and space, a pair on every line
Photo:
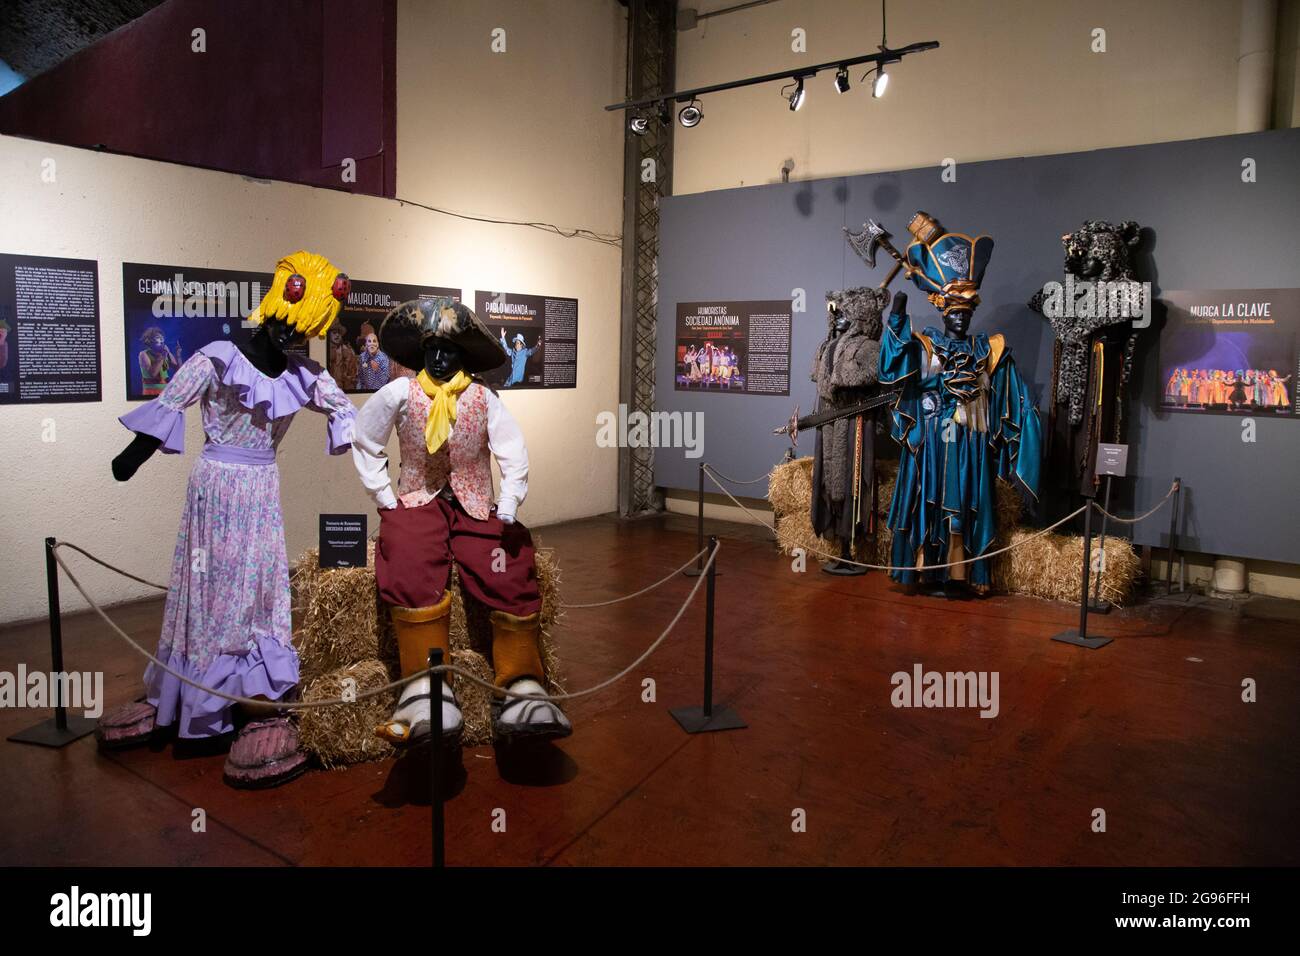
885, 55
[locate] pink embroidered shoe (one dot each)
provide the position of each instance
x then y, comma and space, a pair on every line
265, 754
126, 726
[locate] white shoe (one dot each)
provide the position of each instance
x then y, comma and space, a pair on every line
412, 720
520, 717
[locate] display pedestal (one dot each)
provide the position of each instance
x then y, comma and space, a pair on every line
707, 719
1072, 636
1079, 636
60, 730
694, 720
48, 733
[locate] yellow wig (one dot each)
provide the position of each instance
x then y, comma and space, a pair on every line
316, 311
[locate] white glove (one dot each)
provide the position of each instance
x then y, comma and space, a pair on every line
506, 510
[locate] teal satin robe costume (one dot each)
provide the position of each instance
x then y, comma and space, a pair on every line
969, 392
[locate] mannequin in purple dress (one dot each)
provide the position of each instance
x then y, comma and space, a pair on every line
227, 624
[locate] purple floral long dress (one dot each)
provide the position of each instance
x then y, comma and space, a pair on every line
227, 620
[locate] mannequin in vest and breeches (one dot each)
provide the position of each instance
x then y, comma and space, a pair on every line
449, 425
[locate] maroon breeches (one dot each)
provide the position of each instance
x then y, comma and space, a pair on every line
417, 545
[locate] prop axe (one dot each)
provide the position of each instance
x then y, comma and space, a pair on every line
872, 237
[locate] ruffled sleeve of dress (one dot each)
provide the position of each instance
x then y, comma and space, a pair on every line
164, 417
329, 400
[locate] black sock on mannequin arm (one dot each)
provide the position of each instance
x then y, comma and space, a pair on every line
134, 455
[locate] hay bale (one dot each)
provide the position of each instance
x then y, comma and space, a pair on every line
337, 615
1051, 566
340, 624
789, 489
344, 735
796, 531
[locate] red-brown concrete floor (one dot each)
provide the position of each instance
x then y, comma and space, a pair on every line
1152, 729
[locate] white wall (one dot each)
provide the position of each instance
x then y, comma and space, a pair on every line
518, 135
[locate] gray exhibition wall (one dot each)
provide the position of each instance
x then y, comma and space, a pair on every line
1208, 230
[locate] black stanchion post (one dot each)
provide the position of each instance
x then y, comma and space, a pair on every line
699, 720
1080, 637
62, 729
435, 758
1173, 534
1098, 606
696, 571
710, 588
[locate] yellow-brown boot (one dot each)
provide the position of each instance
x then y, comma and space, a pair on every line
418, 631
517, 660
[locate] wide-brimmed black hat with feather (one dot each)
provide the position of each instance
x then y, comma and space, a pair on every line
407, 328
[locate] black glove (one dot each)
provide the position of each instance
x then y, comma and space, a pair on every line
134, 455
900, 303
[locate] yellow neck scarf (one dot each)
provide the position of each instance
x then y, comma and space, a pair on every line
442, 406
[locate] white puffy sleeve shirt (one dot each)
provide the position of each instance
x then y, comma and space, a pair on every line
386, 410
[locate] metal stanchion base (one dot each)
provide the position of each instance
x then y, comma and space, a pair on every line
1072, 637
844, 570
696, 572
48, 734
694, 721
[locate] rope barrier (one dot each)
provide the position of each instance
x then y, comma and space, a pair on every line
664, 580
736, 481
1142, 517
473, 678
393, 685
931, 567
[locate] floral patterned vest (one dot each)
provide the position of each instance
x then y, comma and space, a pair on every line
464, 460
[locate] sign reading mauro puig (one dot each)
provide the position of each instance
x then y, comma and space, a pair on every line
733, 347
354, 357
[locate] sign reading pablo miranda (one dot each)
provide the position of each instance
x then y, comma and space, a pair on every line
1230, 351
733, 347
539, 334
169, 311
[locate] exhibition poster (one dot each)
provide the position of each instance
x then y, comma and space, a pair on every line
539, 334
353, 355
49, 330
170, 311
741, 347
1230, 351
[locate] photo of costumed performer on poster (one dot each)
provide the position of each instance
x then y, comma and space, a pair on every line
157, 362
519, 355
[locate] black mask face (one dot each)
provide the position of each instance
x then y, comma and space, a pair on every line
957, 323
839, 321
443, 359
281, 334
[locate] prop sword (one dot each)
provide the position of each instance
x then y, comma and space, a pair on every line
796, 424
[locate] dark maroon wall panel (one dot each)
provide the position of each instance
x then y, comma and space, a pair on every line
286, 90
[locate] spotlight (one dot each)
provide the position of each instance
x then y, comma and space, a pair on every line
842, 80
638, 125
797, 97
880, 84
690, 114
